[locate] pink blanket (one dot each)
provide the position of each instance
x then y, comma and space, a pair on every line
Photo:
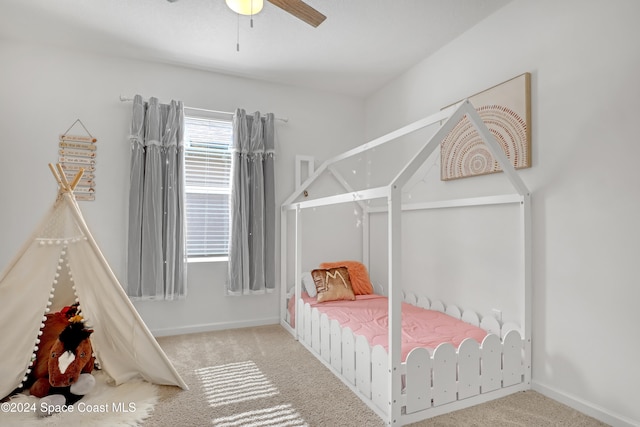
367, 316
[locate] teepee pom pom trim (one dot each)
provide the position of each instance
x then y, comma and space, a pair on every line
49, 241
62, 261
28, 369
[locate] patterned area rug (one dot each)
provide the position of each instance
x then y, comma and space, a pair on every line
105, 406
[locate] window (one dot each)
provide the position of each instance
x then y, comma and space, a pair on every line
207, 158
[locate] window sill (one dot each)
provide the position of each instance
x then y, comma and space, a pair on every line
208, 259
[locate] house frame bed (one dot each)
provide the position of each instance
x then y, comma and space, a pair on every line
427, 384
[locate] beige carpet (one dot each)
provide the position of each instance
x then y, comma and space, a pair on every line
262, 377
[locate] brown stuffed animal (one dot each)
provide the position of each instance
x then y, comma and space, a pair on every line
63, 354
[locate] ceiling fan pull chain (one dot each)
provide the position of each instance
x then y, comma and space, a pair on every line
238, 35
251, 13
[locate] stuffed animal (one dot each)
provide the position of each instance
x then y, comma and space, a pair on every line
61, 372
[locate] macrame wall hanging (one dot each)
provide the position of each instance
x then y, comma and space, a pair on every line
79, 152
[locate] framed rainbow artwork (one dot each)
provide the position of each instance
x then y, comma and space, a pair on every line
506, 110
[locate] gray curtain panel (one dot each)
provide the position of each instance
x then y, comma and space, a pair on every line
252, 205
156, 246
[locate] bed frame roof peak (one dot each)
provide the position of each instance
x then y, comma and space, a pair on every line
449, 117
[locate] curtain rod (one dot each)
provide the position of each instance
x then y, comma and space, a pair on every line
230, 113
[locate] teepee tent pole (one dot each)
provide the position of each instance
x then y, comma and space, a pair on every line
61, 177
77, 178
56, 176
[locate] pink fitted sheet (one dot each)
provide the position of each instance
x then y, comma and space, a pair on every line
367, 316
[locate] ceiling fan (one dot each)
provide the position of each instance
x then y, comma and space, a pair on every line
297, 8
300, 10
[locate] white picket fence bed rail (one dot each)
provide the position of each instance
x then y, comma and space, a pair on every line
434, 381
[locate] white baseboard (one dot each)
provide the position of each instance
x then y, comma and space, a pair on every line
208, 327
585, 407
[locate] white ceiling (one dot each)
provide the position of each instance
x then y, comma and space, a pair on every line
361, 45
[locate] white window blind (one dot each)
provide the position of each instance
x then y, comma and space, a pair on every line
207, 159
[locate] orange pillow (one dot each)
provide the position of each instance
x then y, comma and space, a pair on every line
333, 284
357, 273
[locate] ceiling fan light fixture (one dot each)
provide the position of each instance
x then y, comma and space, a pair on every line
245, 7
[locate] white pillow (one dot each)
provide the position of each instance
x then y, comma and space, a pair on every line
308, 284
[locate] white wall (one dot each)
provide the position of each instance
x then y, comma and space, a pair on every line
584, 60
43, 90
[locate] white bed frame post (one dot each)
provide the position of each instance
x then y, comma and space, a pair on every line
283, 264
395, 305
522, 189
298, 261
528, 285
366, 233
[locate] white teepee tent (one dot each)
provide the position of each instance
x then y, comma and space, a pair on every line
58, 265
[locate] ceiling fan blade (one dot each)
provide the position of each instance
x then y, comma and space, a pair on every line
300, 10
